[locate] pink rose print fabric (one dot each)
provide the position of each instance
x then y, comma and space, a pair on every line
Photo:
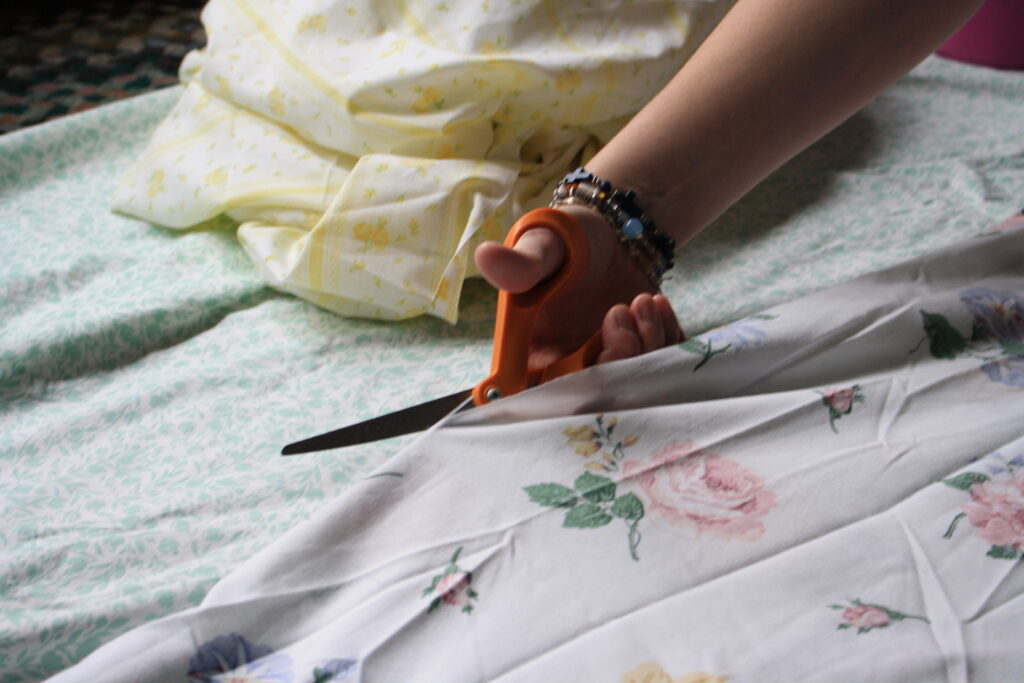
865, 617
840, 403
692, 493
682, 489
996, 505
840, 399
997, 510
451, 587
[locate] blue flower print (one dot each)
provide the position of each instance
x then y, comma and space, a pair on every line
996, 315
246, 662
740, 335
1009, 370
997, 334
999, 316
334, 670
997, 463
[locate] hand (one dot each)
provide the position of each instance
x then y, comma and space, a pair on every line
613, 295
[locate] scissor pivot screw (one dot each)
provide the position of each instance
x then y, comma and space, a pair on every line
493, 394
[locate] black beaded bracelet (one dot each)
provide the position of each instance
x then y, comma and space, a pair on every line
636, 232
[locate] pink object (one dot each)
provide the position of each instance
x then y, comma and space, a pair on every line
997, 509
993, 37
690, 493
452, 588
866, 616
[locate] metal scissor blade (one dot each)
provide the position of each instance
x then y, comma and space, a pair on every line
413, 419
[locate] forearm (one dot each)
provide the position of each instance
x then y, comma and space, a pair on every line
772, 78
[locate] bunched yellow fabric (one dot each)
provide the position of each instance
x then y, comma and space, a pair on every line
366, 146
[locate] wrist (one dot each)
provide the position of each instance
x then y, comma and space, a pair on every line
636, 233
607, 261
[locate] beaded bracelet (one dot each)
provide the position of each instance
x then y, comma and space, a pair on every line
653, 249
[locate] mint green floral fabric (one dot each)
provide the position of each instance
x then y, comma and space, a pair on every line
148, 378
707, 521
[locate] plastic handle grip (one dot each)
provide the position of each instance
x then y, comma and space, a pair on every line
517, 314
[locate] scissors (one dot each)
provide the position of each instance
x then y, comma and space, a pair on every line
513, 330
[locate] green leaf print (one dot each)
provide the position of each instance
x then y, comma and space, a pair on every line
703, 348
1003, 552
952, 526
966, 480
628, 507
592, 502
551, 495
586, 516
943, 340
595, 488
1013, 348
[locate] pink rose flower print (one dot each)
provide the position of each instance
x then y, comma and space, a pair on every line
840, 402
840, 399
451, 587
996, 510
694, 493
865, 617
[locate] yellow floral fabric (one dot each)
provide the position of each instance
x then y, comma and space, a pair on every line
365, 146
652, 672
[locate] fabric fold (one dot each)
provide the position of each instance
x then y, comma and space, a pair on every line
724, 543
366, 148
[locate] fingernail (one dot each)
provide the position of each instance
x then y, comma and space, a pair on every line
645, 307
620, 316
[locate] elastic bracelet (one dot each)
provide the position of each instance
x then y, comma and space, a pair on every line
653, 249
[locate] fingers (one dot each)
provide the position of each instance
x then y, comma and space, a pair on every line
647, 324
669, 321
619, 335
536, 256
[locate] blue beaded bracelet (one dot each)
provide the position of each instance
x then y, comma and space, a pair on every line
653, 249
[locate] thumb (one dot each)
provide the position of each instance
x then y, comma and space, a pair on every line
535, 257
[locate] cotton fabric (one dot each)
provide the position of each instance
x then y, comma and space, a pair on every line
835, 494
149, 377
366, 147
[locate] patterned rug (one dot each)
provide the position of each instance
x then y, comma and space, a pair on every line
59, 58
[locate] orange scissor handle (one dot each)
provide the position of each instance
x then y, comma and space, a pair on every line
518, 312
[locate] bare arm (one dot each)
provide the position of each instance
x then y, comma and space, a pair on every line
772, 78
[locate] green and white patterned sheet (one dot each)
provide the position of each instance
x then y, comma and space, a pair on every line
148, 378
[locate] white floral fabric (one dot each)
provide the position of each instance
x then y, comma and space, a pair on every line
366, 147
841, 499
